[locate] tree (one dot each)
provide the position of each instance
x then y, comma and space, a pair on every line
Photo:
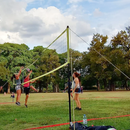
13, 56
94, 62
47, 61
75, 60
121, 55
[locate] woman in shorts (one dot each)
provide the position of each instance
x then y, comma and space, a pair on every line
27, 86
77, 89
18, 86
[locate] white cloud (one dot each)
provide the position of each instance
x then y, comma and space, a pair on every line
10, 37
36, 26
97, 13
42, 25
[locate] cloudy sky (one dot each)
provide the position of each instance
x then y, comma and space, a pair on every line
39, 22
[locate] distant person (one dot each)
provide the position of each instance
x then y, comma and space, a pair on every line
4, 93
18, 85
67, 88
12, 96
77, 89
81, 89
27, 85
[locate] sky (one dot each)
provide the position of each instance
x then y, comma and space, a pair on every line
39, 22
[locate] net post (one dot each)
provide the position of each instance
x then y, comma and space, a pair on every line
69, 96
68, 59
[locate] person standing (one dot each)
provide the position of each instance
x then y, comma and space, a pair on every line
77, 90
27, 86
18, 86
67, 87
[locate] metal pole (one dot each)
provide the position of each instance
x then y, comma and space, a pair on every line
69, 95
68, 58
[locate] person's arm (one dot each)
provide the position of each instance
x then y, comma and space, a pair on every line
29, 74
17, 76
66, 87
33, 81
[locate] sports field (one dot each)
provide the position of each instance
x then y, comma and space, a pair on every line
46, 109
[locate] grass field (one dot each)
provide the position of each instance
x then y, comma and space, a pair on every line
52, 108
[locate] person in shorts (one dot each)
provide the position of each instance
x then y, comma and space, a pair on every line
18, 86
27, 85
77, 90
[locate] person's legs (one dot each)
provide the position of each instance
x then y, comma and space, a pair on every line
26, 99
19, 94
26, 91
18, 91
79, 104
71, 94
33, 88
75, 98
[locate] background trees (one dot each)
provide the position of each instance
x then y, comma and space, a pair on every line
95, 65
101, 59
12, 57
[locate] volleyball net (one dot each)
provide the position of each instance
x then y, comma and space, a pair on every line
55, 56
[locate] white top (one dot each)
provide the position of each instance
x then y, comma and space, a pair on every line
73, 84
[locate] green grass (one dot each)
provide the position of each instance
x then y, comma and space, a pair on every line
52, 108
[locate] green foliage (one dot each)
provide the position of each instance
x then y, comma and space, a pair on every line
95, 63
95, 66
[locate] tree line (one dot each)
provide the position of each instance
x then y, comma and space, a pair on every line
102, 65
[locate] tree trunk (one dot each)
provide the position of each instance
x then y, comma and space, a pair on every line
112, 86
125, 85
98, 85
57, 88
8, 91
53, 88
46, 88
105, 84
40, 88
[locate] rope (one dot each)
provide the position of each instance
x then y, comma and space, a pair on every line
5, 83
108, 62
46, 73
45, 49
103, 57
92, 119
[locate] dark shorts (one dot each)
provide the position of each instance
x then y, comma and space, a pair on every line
78, 90
26, 90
